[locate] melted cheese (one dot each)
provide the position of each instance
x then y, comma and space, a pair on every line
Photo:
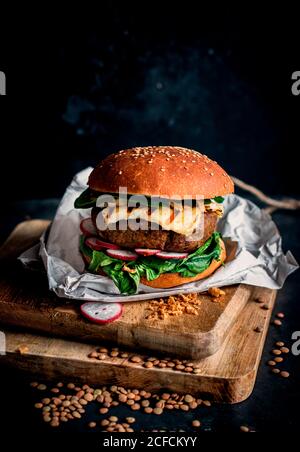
183, 219
215, 207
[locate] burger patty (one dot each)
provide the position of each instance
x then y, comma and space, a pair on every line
157, 239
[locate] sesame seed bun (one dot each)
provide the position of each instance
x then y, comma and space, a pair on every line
161, 170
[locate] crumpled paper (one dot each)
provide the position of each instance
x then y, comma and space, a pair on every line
259, 257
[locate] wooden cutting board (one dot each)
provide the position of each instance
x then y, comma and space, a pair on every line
227, 376
26, 302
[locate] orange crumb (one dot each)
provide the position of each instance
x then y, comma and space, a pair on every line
22, 349
173, 306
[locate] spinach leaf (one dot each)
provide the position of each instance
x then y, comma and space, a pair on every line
219, 199
126, 282
152, 267
86, 200
85, 249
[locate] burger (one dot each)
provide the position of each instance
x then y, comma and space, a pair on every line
153, 213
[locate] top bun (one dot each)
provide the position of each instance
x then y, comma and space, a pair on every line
168, 171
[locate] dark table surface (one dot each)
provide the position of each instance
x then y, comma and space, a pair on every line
273, 405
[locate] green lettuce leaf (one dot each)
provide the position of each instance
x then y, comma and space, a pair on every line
86, 200
218, 199
152, 267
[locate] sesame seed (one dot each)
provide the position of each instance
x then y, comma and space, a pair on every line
211, 174
120, 172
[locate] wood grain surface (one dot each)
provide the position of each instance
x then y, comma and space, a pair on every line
26, 302
237, 323
227, 376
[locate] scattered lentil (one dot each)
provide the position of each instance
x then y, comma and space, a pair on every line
284, 374
196, 423
206, 402
38, 405
135, 406
278, 359
135, 359
130, 420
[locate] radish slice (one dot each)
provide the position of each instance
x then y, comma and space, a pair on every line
101, 312
124, 255
97, 244
87, 227
146, 251
171, 255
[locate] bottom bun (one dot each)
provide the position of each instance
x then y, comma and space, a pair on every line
167, 280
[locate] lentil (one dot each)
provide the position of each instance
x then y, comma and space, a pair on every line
278, 359
135, 359
130, 420
284, 374
196, 423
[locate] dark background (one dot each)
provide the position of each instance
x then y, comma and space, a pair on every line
120, 76
130, 74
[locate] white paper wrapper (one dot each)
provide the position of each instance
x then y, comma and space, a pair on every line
259, 258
